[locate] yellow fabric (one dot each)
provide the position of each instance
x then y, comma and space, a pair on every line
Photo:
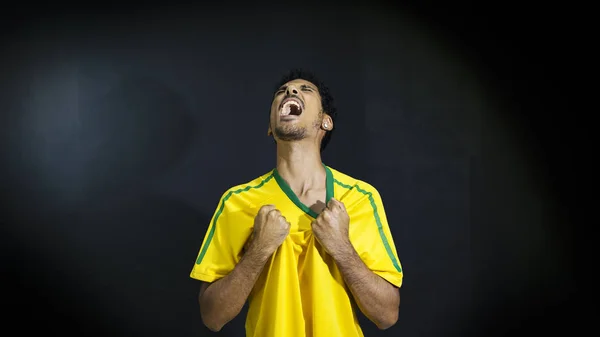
301, 292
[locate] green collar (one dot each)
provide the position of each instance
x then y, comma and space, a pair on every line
288, 191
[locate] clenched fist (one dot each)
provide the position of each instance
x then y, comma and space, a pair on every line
270, 229
331, 227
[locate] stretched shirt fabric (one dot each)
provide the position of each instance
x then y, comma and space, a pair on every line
300, 292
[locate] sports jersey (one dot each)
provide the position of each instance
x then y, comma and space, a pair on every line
300, 292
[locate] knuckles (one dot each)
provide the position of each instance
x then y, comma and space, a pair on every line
334, 211
327, 215
266, 209
274, 214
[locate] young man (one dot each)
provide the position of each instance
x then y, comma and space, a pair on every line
303, 243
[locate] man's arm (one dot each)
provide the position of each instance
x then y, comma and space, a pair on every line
378, 299
223, 299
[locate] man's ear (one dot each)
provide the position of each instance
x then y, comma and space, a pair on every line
269, 132
327, 123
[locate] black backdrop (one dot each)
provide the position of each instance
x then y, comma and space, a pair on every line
123, 125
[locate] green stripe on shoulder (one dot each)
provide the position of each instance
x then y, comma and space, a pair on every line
386, 244
220, 211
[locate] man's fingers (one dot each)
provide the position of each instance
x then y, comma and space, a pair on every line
335, 204
328, 214
264, 210
274, 214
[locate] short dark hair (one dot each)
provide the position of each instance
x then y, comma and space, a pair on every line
327, 102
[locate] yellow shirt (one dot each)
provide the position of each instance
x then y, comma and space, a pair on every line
301, 292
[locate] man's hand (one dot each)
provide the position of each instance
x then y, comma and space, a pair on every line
376, 298
270, 229
331, 228
223, 299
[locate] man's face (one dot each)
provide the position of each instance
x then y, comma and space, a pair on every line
296, 111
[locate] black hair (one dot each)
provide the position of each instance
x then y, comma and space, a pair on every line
327, 102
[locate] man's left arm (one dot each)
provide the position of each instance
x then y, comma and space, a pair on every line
375, 287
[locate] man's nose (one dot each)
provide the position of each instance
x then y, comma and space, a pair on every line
291, 90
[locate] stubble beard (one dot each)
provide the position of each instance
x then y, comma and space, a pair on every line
290, 133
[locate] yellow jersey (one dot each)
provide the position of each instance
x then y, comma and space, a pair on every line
300, 292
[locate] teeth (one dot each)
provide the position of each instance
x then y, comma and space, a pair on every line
286, 108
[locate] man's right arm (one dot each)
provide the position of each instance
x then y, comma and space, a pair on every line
222, 300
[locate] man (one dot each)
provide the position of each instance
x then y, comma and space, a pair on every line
303, 243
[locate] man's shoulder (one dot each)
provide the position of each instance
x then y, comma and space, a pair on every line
354, 185
249, 188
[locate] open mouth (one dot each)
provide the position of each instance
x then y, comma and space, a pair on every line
291, 107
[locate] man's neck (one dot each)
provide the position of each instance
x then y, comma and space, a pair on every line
300, 165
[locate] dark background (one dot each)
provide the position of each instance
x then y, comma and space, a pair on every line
124, 123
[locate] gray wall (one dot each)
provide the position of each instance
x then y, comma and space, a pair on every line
122, 131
